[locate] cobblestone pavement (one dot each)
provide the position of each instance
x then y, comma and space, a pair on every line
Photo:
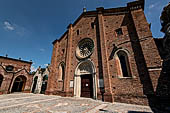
38, 103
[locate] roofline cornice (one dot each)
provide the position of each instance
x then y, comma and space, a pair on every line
16, 59
59, 38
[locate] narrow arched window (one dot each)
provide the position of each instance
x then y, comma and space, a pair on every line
1, 80
61, 71
123, 62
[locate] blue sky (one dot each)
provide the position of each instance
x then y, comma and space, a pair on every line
28, 27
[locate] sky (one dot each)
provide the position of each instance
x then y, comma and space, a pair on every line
28, 27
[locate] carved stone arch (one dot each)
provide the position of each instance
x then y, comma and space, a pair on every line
21, 76
122, 62
85, 68
121, 49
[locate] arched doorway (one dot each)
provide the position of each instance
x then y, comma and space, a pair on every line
85, 80
19, 84
1, 80
44, 84
35, 84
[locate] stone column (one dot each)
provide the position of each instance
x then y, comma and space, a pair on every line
94, 85
77, 85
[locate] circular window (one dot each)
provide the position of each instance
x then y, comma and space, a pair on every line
84, 48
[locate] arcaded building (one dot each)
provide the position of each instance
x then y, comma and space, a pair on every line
107, 54
14, 75
40, 78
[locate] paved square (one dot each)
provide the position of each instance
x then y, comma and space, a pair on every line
39, 103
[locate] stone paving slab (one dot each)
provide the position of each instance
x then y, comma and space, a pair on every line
15, 95
38, 103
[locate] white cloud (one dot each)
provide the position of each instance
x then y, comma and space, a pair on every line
33, 69
42, 50
8, 26
19, 30
46, 65
153, 5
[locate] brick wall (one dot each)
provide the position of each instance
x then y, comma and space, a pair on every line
20, 68
136, 39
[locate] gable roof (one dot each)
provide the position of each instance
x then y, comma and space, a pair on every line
29, 62
139, 4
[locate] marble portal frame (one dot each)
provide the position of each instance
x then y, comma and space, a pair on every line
88, 69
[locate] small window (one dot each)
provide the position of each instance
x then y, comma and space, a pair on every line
92, 25
124, 66
9, 68
78, 32
119, 32
63, 51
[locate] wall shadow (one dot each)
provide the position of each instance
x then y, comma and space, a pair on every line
163, 88
142, 69
159, 101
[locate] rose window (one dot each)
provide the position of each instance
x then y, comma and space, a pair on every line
84, 48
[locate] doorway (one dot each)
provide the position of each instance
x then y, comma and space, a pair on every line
19, 84
87, 86
35, 84
44, 84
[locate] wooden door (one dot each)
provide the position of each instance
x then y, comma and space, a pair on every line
87, 86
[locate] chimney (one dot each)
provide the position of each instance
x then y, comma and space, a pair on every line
84, 9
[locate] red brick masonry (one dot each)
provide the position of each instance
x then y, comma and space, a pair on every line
136, 39
21, 69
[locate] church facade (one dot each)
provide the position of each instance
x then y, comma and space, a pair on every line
107, 54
